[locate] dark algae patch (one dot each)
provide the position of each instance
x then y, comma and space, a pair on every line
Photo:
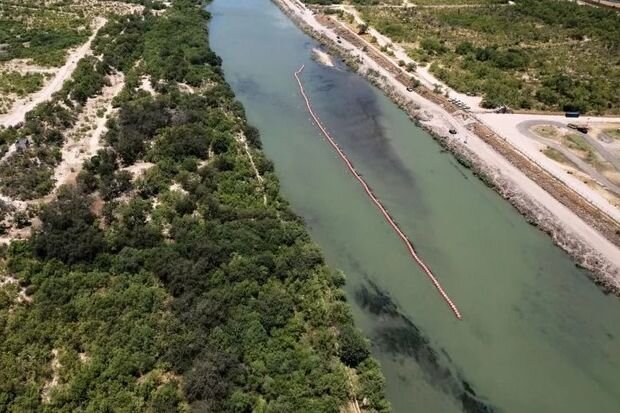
353, 116
399, 336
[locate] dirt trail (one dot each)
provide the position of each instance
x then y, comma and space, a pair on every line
400, 54
17, 113
77, 148
240, 138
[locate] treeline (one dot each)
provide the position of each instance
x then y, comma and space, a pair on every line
583, 21
565, 66
498, 72
177, 288
536, 54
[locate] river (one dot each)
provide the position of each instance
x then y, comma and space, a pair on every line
536, 336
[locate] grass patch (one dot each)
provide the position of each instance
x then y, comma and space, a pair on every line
577, 142
556, 156
20, 84
587, 153
614, 132
546, 131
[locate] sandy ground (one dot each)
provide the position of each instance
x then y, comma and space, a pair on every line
12, 149
185, 88
23, 66
19, 205
18, 111
138, 168
54, 381
601, 3
322, 57
78, 148
145, 84
81, 143
441, 121
8, 280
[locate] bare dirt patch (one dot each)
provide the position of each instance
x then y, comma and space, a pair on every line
84, 140
138, 168
53, 382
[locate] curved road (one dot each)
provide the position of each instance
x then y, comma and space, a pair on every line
608, 156
524, 128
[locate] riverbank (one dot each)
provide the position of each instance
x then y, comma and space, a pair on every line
545, 202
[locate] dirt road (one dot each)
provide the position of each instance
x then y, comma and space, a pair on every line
17, 113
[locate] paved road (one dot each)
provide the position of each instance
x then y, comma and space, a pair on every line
524, 128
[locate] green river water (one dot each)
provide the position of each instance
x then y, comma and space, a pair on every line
536, 334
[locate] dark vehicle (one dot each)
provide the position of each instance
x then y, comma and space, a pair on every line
572, 114
580, 128
452, 131
410, 89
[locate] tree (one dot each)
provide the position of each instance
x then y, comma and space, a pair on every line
353, 347
69, 232
210, 379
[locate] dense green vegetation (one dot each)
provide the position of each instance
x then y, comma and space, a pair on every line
87, 80
180, 288
548, 54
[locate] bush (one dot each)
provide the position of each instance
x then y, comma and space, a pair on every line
353, 347
68, 232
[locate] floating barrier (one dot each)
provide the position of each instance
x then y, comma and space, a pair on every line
376, 201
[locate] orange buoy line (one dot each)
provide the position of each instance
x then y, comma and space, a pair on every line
376, 201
